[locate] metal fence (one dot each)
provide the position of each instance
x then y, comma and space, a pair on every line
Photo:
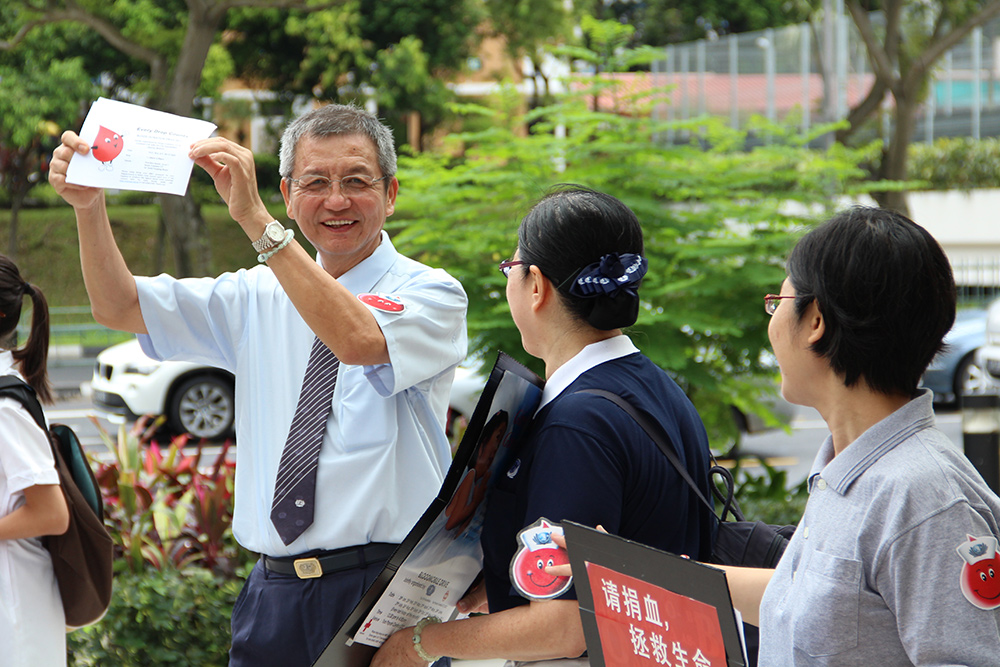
978, 280
816, 72
72, 327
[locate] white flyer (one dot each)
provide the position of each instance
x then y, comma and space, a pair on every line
135, 148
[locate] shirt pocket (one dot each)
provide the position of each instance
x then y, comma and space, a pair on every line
366, 419
827, 595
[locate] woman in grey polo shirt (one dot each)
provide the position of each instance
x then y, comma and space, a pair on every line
895, 559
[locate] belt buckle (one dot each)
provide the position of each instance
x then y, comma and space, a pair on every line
308, 568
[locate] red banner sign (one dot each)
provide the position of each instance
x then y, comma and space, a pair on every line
642, 625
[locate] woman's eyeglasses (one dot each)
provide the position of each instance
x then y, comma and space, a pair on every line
507, 265
771, 301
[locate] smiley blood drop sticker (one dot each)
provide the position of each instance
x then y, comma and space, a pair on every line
980, 578
538, 551
383, 302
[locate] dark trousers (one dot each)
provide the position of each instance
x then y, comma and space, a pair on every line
283, 621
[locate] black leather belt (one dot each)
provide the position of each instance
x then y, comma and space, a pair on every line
312, 565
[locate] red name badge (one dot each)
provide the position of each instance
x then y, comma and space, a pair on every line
382, 302
642, 625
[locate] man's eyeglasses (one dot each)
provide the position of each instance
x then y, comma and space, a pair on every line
771, 301
321, 186
507, 265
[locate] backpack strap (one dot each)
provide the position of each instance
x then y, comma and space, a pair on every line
12, 386
656, 433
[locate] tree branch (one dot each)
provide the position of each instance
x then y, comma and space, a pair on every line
226, 5
864, 110
74, 13
881, 64
937, 49
21, 33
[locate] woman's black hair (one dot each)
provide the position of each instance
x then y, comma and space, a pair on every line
33, 357
570, 228
886, 292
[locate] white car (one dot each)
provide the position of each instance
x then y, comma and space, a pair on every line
198, 399
988, 356
195, 398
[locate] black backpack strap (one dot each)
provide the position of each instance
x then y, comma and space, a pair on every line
662, 440
16, 388
657, 435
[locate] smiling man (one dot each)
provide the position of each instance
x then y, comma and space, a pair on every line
343, 365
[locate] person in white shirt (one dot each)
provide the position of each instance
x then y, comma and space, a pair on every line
32, 505
396, 326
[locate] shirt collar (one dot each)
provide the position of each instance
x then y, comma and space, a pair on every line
6, 361
873, 444
590, 356
363, 276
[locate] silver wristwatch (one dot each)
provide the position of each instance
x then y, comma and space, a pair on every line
274, 234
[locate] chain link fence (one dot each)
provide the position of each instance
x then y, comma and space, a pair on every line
815, 72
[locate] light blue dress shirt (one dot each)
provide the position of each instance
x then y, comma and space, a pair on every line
384, 453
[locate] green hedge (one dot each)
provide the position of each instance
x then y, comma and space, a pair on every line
955, 163
158, 618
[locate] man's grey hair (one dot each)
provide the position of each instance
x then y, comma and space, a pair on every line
337, 119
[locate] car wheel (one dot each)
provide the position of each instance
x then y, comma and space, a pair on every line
970, 378
204, 407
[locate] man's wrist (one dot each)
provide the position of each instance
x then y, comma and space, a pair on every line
271, 237
254, 227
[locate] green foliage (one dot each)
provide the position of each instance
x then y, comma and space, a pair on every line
526, 25
955, 163
178, 567
446, 28
403, 81
606, 46
165, 509
160, 617
719, 220
400, 49
660, 22
39, 95
218, 67
766, 497
333, 45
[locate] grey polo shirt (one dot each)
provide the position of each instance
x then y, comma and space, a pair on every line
873, 575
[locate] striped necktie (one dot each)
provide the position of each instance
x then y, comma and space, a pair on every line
295, 486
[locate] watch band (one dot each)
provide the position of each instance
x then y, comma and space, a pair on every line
421, 624
265, 242
264, 256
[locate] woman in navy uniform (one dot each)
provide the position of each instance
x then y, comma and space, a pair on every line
572, 286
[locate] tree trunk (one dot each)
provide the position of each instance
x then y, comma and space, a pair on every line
16, 202
182, 215
894, 157
186, 230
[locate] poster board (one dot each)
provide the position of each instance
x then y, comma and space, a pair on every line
642, 607
441, 556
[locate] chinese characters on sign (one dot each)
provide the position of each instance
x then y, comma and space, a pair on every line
642, 625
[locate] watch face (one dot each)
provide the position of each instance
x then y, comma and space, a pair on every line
275, 233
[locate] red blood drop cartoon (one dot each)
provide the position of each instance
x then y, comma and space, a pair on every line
980, 578
108, 145
538, 551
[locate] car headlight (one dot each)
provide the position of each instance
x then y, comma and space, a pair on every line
141, 368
